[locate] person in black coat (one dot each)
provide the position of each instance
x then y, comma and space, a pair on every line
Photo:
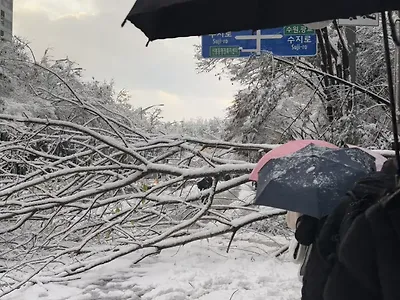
326, 277
342, 283
370, 249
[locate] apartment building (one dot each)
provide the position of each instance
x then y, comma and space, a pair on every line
6, 20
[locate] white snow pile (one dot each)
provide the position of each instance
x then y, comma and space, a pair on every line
201, 270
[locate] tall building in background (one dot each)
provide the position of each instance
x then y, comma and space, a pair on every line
6, 20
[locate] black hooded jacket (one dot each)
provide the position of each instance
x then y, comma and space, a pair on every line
328, 276
371, 251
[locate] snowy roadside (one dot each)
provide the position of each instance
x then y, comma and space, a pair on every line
201, 270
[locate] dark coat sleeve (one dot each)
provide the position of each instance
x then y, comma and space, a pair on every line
315, 276
328, 238
306, 230
357, 254
387, 243
321, 259
342, 285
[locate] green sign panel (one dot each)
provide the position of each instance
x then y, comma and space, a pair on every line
224, 51
297, 30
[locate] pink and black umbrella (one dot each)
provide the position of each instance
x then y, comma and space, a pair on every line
379, 159
312, 180
284, 150
294, 146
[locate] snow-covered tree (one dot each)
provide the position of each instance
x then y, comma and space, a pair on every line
282, 99
202, 128
86, 178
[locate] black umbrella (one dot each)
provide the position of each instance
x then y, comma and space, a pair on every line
313, 180
160, 19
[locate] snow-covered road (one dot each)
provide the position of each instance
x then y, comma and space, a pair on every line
201, 270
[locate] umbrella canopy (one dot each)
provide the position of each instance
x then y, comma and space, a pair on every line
160, 19
379, 159
284, 150
313, 180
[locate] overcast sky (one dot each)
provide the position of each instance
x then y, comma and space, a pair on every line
89, 32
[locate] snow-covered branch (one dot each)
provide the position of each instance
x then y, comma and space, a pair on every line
71, 192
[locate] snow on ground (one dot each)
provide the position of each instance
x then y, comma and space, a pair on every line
201, 270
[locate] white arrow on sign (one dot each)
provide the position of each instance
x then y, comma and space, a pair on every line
258, 37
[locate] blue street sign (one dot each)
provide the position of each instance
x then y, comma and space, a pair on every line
293, 40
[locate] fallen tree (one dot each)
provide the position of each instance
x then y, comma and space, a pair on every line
63, 213
80, 191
